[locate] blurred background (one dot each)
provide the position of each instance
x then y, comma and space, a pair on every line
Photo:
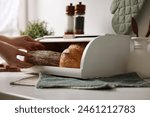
15, 14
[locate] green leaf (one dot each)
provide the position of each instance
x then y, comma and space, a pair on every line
36, 29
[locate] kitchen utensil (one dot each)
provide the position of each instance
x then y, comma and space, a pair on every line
134, 26
148, 32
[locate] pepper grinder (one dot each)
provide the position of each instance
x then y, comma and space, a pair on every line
70, 19
79, 18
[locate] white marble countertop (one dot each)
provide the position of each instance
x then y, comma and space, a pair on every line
8, 91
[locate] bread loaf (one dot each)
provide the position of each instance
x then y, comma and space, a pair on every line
71, 57
45, 58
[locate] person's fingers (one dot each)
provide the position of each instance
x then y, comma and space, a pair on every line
14, 62
10, 65
29, 48
28, 38
30, 44
22, 64
24, 54
37, 46
41, 46
13, 68
34, 43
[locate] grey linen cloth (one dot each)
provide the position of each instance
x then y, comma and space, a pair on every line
123, 80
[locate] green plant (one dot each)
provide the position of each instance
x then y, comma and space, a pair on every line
36, 29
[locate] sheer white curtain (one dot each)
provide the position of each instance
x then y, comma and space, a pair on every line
27, 12
14, 15
9, 17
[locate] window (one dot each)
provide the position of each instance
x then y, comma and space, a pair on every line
9, 17
14, 15
27, 12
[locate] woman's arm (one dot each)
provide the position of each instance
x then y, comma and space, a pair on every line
5, 39
24, 42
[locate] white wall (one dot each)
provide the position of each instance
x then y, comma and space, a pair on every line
97, 18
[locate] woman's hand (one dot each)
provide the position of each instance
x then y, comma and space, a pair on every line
9, 54
26, 42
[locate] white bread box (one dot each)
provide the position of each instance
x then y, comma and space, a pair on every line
103, 56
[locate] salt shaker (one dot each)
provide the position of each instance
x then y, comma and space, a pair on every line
70, 19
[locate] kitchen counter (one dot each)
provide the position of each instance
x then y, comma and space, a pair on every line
8, 91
